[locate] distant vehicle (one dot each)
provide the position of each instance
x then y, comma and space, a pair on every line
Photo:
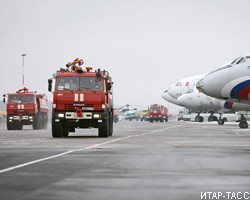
116, 115
180, 115
158, 113
144, 115
128, 112
26, 108
81, 99
132, 114
3, 115
184, 114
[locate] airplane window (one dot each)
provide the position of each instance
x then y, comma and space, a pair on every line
179, 84
232, 63
242, 60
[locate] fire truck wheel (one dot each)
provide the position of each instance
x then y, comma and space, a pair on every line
56, 130
65, 130
35, 124
10, 126
42, 121
104, 129
111, 125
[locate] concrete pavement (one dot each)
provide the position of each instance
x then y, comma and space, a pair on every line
170, 160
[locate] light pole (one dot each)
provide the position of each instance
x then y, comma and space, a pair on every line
23, 66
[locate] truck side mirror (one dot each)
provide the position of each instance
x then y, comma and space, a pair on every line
98, 77
50, 85
109, 86
4, 98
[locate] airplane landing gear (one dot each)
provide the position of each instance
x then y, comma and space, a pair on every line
212, 118
221, 121
243, 122
199, 118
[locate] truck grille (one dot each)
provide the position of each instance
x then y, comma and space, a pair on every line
73, 107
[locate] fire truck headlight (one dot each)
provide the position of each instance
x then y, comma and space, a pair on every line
96, 116
61, 115
10, 117
30, 117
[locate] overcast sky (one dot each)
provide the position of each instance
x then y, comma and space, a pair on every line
146, 45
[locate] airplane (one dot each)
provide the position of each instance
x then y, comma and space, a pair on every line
200, 102
230, 82
176, 94
184, 86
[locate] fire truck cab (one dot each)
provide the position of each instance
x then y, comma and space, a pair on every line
81, 99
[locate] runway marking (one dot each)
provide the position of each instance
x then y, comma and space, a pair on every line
75, 150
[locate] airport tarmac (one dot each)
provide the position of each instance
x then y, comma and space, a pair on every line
161, 161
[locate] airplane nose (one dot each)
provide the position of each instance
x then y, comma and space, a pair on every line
171, 92
200, 85
213, 83
168, 98
181, 100
164, 95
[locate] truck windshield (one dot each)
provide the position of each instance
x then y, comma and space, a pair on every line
90, 83
155, 108
67, 83
21, 98
78, 83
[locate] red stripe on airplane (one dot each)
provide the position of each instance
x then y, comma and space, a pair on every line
230, 105
244, 93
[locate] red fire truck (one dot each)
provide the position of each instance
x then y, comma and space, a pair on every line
26, 108
158, 113
81, 99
